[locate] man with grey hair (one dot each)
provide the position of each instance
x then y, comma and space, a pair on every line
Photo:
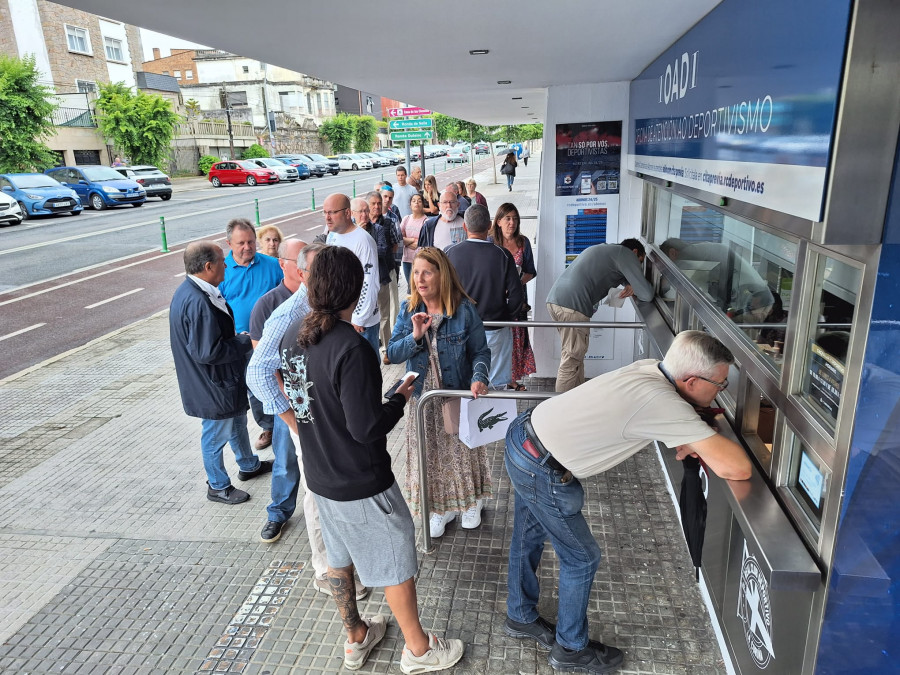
584, 432
248, 276
445, 229
208, 352
488, 275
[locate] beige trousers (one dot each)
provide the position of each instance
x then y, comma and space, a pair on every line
574, 347
384, 306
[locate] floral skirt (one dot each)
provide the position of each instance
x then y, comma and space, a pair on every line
522, 355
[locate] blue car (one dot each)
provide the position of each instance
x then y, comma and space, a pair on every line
40, 195
99, 186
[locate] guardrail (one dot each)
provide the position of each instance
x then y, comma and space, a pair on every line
73, 117
424, 492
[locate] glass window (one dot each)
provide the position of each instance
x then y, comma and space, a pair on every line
189, 74
758, 425
834, 302
807, 481
86, 86
176, 74
113, 49
744, 271
78, 39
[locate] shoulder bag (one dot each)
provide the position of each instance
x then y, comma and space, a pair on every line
449, 406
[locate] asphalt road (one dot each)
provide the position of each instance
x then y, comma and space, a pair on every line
70, 279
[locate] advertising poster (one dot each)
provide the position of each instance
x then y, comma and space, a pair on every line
826, 377
588, 158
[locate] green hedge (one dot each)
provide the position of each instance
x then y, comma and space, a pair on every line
206, 162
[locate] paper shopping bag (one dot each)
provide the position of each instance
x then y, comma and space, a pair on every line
484, 420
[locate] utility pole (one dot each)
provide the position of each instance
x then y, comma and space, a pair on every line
270, 123
227, 107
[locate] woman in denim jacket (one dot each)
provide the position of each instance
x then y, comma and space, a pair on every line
439, 323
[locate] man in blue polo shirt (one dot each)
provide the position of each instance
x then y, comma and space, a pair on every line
248, 276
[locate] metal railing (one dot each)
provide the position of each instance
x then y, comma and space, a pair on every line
73, 117
424, 492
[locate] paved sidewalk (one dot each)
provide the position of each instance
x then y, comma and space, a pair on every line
113, 561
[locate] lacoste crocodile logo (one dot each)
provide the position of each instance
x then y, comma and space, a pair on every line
488, 421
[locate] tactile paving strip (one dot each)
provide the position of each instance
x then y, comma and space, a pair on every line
245, 631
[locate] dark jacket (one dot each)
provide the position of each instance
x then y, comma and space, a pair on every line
488, 275
210, 360
426, 234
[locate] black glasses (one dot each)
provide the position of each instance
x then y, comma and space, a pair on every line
331, 213
720, 385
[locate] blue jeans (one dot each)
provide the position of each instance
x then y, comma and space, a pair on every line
407, 270
500, 342
285, 474
215, 434
509, 180
546, 508
371, 335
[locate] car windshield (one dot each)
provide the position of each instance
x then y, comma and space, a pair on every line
37, 181
268, 162
247, 165
101, 173
319, 158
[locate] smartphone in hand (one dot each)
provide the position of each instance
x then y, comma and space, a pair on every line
410, 376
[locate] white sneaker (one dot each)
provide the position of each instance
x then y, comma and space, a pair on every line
356, 653
439, 522
472, 517
443, 654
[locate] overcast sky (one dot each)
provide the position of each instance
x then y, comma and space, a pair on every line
151, 39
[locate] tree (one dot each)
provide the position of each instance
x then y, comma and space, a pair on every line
532, 131
140, 125
364, 133
338, 131
254, 151
445, 127
26, 117
192, 107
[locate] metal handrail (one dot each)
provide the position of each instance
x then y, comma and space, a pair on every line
568, 324
424, 494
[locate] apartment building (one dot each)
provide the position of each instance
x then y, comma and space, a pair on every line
74, 51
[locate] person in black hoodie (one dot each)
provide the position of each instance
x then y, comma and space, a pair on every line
333, 382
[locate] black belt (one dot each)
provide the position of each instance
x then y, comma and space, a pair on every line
539, 447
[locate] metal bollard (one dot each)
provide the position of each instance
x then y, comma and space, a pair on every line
354, 188
313, 199
162, 232
382, 177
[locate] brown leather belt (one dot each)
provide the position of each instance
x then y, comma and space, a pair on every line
542, 452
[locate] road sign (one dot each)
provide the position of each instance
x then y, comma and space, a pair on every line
407, 112
410, 135
424, 123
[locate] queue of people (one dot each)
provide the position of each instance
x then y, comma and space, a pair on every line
310, 361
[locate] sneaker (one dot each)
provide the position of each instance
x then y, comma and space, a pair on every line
442, 654
595, 658
271, 532
323, 586
229, 495
438, 523
265, 466
264, 440
356, 653
541, 631
472, 517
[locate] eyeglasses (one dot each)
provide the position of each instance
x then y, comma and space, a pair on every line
448, 203
719, 385
331, 213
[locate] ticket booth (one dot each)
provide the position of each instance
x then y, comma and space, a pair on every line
767, 151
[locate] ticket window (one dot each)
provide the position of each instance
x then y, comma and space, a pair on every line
805, 487
744, 271
758, 425
828, 335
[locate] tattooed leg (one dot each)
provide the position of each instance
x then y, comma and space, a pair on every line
343, 590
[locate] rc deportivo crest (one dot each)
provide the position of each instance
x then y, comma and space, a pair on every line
755, 610
488, 421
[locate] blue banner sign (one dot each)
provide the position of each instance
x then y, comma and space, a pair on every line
744, 104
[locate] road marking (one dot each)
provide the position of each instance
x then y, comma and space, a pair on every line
180, 274
115, 297
24, 330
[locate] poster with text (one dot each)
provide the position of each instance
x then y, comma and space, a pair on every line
588, 158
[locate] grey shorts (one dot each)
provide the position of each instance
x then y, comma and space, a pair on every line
376, 535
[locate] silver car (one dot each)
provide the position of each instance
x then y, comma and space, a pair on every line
282, 170
10, 212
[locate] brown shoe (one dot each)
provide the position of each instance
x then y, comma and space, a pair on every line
264, 440
385, 360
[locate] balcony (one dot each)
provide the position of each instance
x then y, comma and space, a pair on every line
73, 117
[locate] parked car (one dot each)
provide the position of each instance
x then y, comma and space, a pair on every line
316, 168
482, 149
414, 153
100, 186
390, 156
350, 162
302, 167
333, 166
38, 194
155, 182
377, 160
10, 211
457, 155
399, 153
299, 161
237, 171
285, 172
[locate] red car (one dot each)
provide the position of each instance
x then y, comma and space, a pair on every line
238, 171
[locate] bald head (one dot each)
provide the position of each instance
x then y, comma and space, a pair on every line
205, 260
288, 252
337, 213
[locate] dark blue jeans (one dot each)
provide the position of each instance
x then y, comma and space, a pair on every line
285, 474
548, 508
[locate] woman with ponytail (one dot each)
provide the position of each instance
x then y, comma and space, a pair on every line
333, 381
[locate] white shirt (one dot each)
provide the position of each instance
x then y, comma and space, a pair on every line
363, 245
212, 291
